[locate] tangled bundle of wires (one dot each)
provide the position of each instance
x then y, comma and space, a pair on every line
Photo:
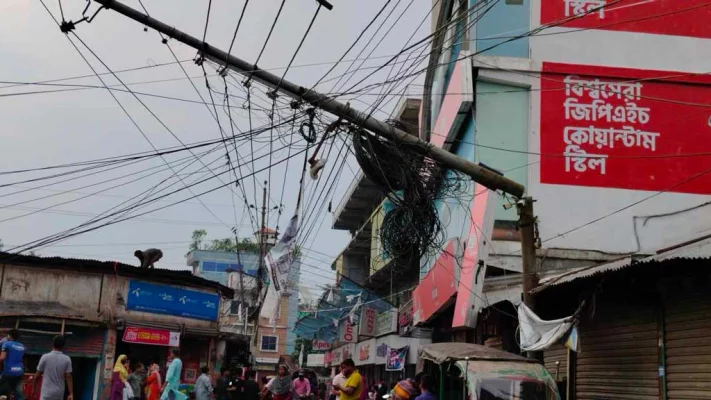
413, 183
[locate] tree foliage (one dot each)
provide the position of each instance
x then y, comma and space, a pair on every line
308, 348
198, 242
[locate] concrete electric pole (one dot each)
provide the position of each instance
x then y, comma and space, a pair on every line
479, 174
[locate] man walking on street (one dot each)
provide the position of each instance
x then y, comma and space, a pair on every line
203, 385
12, 353
55, 368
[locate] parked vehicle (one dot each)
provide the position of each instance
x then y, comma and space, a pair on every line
485, 373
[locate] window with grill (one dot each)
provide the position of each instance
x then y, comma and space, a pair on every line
269, 343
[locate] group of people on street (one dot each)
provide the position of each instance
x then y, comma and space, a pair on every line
283, 387
133, 382
54, 370
350, 385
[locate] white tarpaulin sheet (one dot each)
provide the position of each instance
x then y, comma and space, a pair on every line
278, 262
537, 334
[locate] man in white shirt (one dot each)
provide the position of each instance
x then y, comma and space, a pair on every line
338, 381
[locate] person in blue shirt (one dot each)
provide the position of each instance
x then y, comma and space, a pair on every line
12, 355
427, 387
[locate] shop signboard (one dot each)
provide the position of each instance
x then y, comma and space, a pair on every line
170, 300
156, 337
439, 286
347, 351
319, 344
346, 332
611, 129
366, 325
470, 292
662, 17
365, 352
386, 322
405, 317
337, 356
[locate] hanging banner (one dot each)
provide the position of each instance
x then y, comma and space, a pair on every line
278, 262
318, 344
396, 359
156, 337
346, 332
367, 322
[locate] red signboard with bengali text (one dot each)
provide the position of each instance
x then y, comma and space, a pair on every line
156, 337
625, 128
663, 17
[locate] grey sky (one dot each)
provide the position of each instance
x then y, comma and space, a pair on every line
54, 128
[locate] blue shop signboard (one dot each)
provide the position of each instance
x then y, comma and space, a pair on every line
169, 300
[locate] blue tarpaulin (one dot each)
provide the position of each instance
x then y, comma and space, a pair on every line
320, 324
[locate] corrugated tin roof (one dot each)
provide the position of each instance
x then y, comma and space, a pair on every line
185, 278
584, 272
700, 249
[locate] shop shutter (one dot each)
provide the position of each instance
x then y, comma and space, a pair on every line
619, 355
89, 343
559, 353
688, 346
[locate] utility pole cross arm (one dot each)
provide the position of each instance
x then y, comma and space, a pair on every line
479, 174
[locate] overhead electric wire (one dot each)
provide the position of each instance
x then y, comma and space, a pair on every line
269, 35
215, 116
74, 231
372, 37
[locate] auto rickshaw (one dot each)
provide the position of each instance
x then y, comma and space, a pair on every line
473, 372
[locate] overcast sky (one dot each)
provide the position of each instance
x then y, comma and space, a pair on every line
45, 129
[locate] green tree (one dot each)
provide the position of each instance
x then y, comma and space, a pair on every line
297, 348
1, 245
227, 244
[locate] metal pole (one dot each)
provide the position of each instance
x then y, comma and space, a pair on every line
481, 175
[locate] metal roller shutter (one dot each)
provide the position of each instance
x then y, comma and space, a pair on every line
558, 353
88, 343
688, 347
619, 355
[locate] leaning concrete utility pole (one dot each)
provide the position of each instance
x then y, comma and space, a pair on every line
481, 175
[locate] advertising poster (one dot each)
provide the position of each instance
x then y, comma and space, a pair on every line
396, 359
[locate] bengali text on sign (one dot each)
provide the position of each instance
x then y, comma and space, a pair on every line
627, 129
157, 337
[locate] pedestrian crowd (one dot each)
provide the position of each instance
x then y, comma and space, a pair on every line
54, 370
136, 382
